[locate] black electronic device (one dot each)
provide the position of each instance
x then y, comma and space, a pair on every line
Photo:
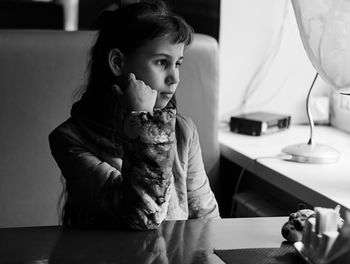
259, 123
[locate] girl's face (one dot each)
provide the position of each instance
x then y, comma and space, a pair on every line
157, 65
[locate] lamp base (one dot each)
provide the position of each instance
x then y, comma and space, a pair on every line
312, 153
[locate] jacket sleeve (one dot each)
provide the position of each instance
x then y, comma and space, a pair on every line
201, 200
148, 145
138, 194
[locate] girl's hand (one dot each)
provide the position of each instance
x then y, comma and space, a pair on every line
137, 96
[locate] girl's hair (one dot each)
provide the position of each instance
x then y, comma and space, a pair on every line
128, 28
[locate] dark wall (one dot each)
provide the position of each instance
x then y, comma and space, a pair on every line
202, 15
89, 11
30, 15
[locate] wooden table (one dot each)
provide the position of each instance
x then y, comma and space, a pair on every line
191, 241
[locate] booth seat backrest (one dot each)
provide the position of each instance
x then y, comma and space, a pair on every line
40, 74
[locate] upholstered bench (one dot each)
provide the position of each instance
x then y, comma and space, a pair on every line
41, 73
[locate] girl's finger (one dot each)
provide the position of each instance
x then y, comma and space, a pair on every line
117, 90
131, 77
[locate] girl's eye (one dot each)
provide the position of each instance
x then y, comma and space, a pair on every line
178, 64
163, 63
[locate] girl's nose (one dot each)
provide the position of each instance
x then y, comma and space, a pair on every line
173, 77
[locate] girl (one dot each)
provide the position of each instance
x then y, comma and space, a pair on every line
127, 157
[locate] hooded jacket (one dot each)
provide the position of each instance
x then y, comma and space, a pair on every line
131, 169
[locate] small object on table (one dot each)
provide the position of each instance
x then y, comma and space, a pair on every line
293, 229
324, 238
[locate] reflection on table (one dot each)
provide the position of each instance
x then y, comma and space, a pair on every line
191, 241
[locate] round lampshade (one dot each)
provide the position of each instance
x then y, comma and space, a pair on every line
324, 27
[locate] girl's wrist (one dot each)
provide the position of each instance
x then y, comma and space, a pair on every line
138, 112
138, 109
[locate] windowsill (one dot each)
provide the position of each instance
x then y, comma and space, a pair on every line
317, 184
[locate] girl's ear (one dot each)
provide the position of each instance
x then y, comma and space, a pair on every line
116, 61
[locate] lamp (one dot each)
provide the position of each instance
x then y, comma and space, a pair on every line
324, 27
